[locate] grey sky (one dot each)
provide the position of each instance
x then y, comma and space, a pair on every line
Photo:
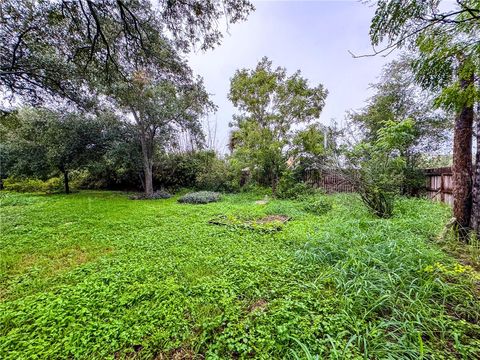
312, 36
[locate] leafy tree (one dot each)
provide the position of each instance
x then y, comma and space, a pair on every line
106, 53
42, 142
314, 147
398, 98
449, 61
65, 48
270, 104
380, 165
159, 109
121, 164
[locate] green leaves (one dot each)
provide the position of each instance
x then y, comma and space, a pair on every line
447, 43
270, 103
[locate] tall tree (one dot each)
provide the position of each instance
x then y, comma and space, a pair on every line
270, 103
314, 147
96, 52
449, 60
476, 182
160, 108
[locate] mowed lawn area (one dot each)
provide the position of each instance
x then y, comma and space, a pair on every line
95, 275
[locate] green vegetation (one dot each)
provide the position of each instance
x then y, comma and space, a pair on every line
200, 197
94, 275
318, 207
161, 194
51, 185
270, 104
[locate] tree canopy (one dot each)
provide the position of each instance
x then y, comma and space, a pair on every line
270, 103
64, 48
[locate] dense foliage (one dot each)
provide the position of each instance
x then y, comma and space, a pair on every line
270, 104
66, 49
96, 275
391, 136
42, 143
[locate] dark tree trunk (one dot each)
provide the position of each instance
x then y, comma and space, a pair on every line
65, 181
274, 185
462, 165
475, 220
147, 167
147, 154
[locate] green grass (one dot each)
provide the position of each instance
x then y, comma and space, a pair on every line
95, 275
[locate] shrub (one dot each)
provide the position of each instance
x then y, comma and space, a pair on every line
293, 191
198, 169
33, 185
379, 202
161, 194
318, 207
217, 176
290, 188
200, 197
54, 184
257, 190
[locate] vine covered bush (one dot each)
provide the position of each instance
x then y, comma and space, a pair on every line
200, 197
290, 188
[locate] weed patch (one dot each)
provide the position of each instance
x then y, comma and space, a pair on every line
94, 275
268, 223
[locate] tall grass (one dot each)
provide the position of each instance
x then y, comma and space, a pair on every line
400, 295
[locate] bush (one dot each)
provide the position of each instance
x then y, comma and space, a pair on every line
200, 197
217, 176
379, 202
290, 188
318, 207
155, 196
33, 185
190, 170
297, 190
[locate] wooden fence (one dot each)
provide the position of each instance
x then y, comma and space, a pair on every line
329, 180
439, 184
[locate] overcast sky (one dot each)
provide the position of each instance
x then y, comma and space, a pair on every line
312, 36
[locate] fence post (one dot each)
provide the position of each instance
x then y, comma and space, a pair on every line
442, 188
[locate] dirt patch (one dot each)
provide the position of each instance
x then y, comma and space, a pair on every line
272, 218
259, 305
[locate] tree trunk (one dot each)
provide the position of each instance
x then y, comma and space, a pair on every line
147, 153
462, 165
65, 181
147, 167
475, 219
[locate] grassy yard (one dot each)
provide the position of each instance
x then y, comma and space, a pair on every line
95, 275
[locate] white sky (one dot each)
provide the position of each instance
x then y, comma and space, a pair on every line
312, 36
